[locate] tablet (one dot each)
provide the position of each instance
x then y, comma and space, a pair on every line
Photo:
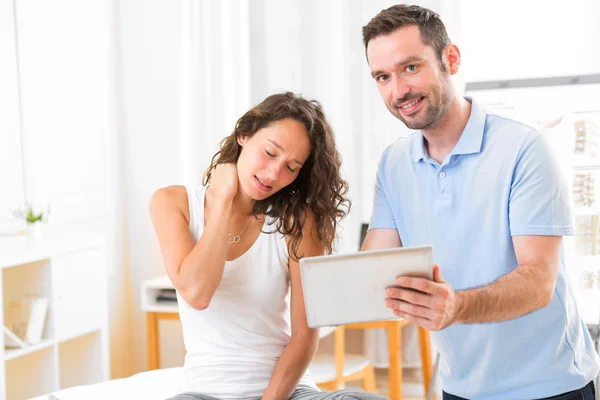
348, 288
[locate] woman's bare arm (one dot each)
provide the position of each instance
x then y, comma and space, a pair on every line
194, 269
301, 349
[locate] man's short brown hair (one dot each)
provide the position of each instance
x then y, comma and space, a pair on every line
433, 31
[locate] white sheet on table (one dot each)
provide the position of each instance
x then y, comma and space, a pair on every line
151, 385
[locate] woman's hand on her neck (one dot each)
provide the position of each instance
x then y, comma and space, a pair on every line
224, 189
224, 182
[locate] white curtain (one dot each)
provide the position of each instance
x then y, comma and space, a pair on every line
11, 183
215, 78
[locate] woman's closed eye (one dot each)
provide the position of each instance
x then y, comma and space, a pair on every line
272, 155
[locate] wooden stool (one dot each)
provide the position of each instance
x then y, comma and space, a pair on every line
344, 368
394, 332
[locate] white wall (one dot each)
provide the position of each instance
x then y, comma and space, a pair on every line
513, 39
64, 96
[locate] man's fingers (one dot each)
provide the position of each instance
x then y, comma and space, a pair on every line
432, 324
416, 310
424, 285
410, 296
423, 322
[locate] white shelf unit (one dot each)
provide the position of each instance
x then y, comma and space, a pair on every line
71, 272
150, 289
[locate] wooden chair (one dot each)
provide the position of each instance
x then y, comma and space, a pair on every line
345, 368
333, 374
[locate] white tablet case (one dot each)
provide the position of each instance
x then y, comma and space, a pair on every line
349, 288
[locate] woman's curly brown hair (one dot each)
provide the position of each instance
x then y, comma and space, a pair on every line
318, 185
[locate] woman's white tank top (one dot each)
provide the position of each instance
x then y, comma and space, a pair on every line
233, 345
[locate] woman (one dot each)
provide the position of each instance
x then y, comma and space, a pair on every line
232, 249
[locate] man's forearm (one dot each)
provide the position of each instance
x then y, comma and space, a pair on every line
290, 368
511, 296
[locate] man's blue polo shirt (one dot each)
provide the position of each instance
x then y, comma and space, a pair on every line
499, 181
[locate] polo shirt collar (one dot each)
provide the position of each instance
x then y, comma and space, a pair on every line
472, 137
470, 141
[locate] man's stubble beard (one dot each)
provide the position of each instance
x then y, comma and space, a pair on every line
433, 113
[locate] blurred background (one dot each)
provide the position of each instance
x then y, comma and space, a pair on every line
104, 101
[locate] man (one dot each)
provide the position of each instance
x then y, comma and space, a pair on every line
485, 192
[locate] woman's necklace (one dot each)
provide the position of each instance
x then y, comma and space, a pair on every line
235, 239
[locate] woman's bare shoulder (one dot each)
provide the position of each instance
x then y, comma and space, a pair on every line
169, 197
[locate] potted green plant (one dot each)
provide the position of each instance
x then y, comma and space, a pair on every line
33, 216
34, 226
